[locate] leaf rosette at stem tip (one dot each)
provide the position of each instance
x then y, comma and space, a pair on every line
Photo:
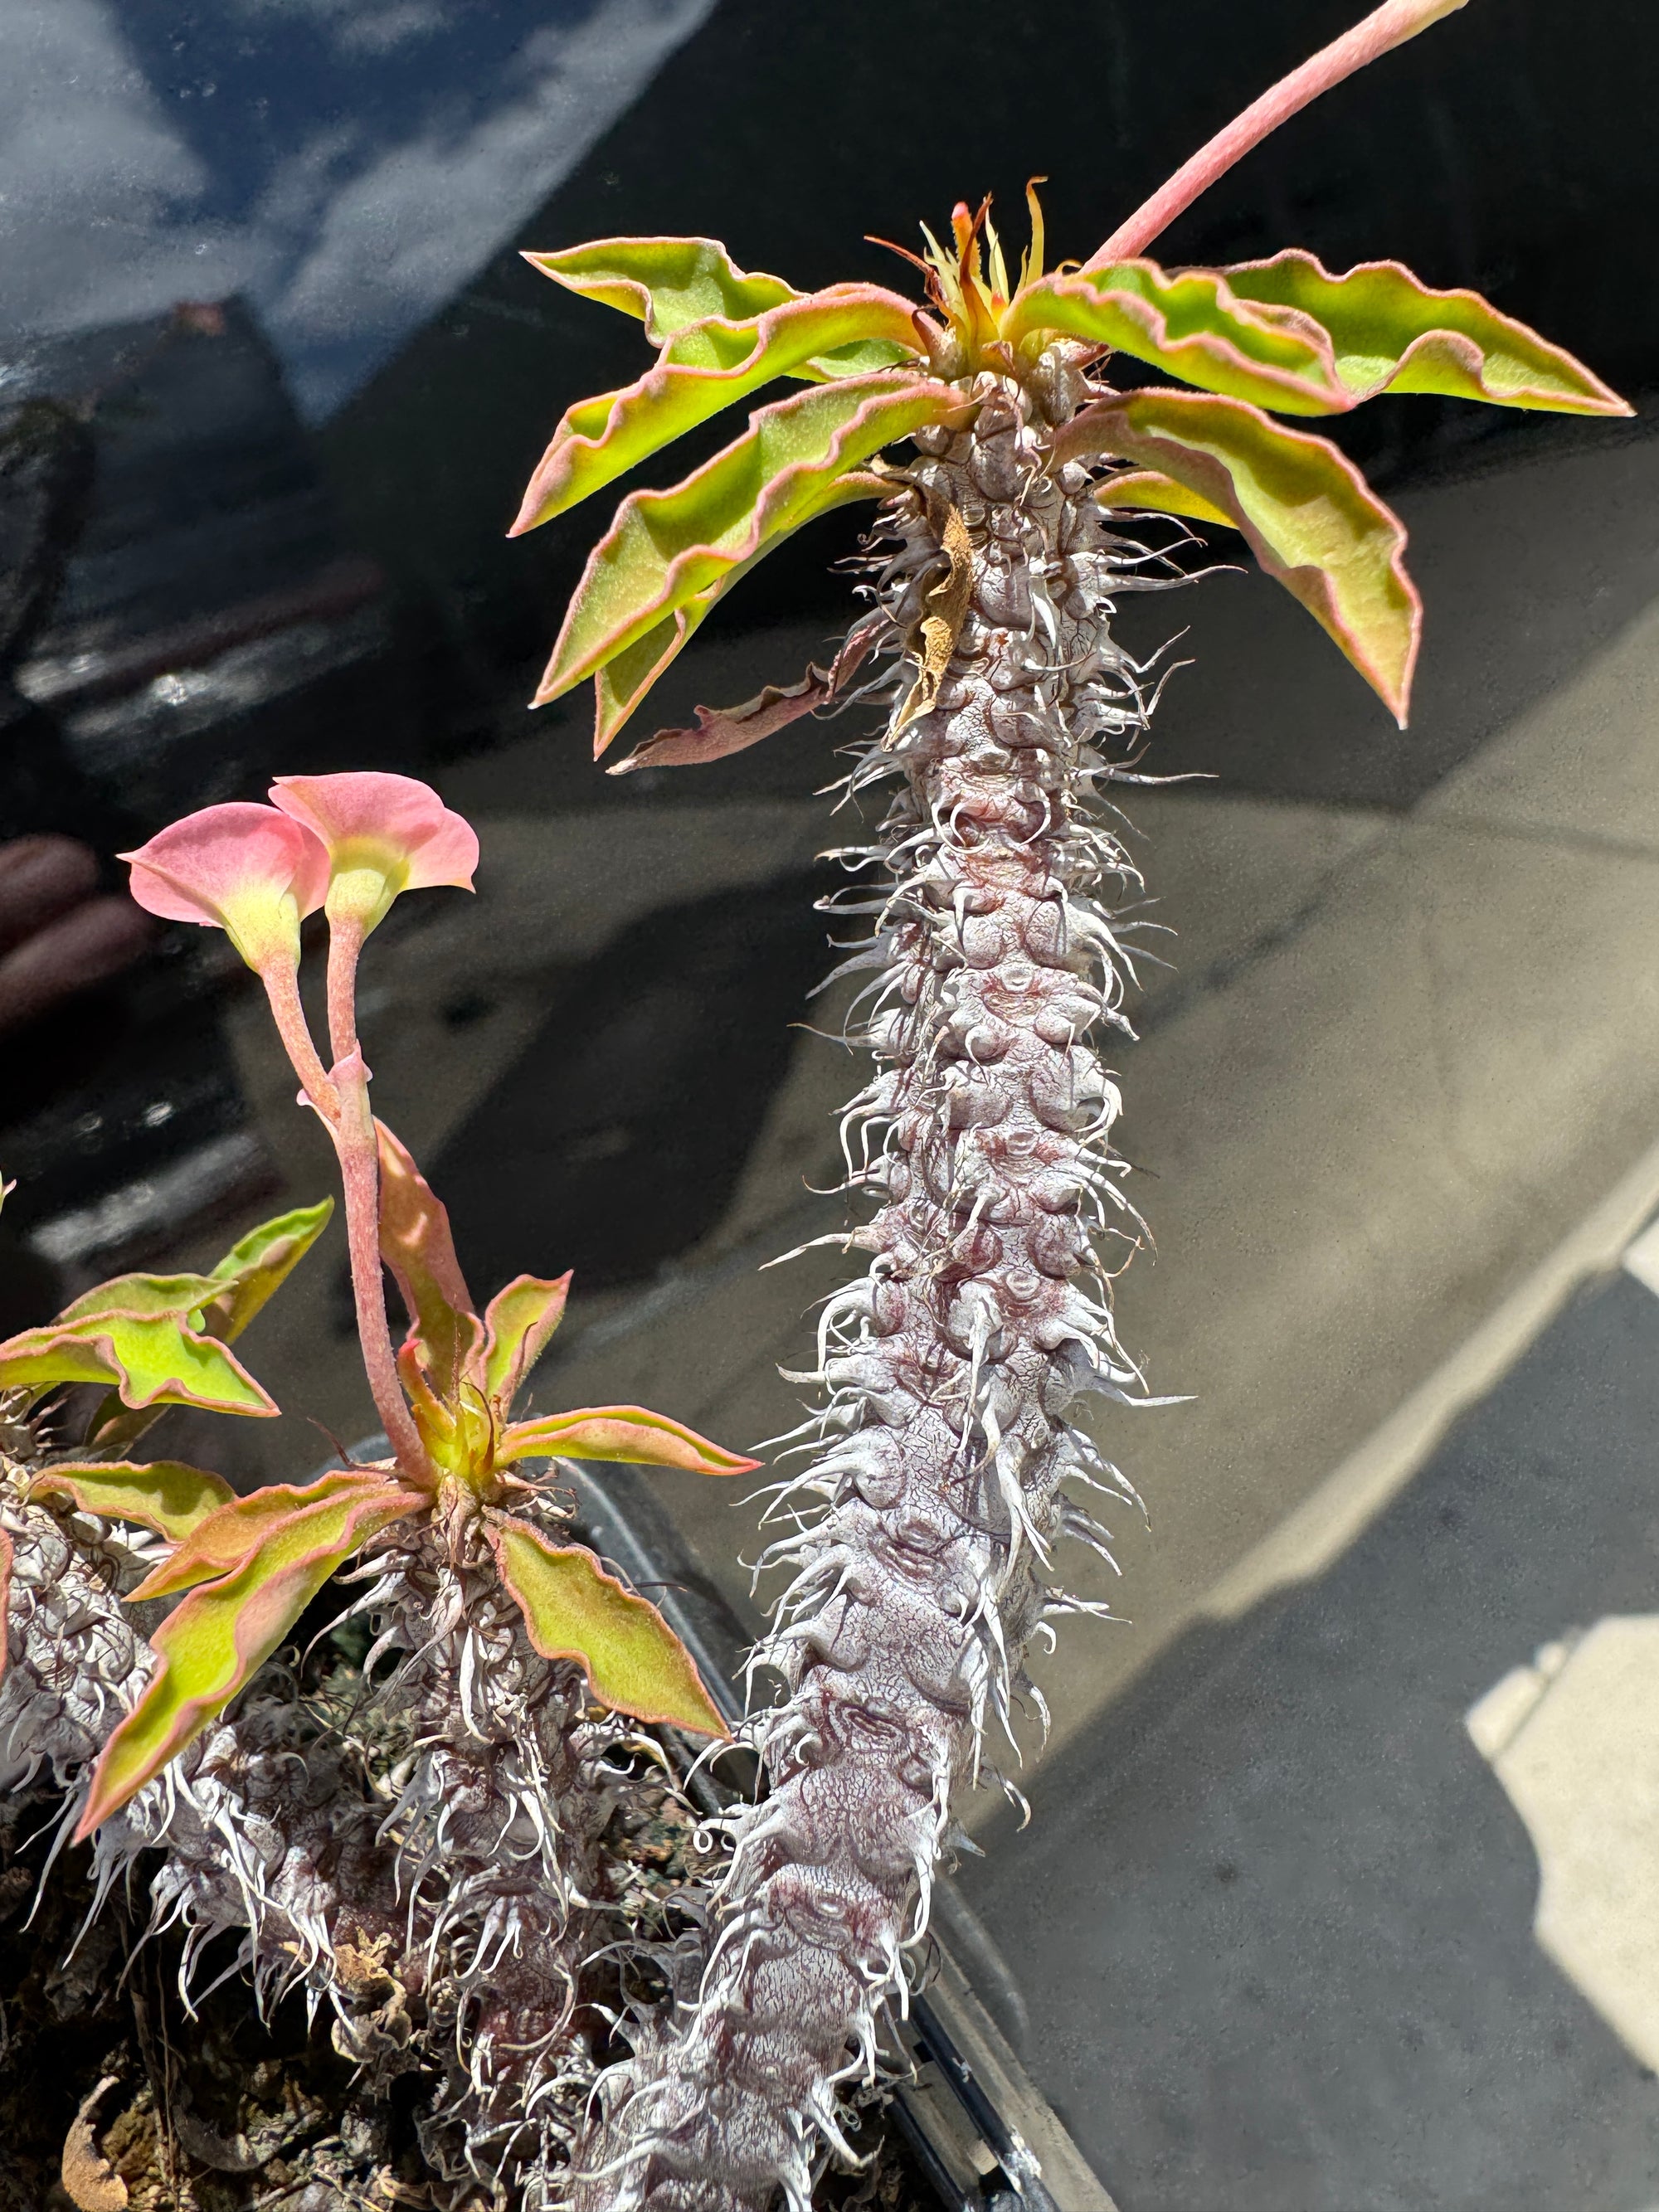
463, 1370
1282, 334
245, 1568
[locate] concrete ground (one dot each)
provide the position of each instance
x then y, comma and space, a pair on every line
1397, 1102
1347, 1904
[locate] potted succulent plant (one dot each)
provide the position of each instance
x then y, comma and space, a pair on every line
438, 1838
939, 1462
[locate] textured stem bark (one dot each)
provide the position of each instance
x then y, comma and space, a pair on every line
478, 1898
926, 1521
268, 1828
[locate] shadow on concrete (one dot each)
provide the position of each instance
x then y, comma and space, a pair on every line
615, 1141
1274, 1914
1528, 572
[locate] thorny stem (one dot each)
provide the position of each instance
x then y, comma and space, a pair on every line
1384, 29
921, 1531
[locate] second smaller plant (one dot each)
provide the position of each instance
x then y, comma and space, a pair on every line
514, 1674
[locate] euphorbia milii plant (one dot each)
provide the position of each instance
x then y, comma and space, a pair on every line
351, 844
935, 1488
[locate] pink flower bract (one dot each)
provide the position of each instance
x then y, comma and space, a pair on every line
247, 870
391, 822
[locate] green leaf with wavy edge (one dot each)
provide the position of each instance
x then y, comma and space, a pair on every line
1310, 518
223, 1539
622, 683
706, 368
1189, 324
162, 1494
257, 1265
573, 1610
245, 1278
863, 359
38, 1359
518, 1325
168, 1363
624, 1432
1286, 334
1389, 332
210, 1645
152, 1360
1142, 491
664, 282
416, 1244
665, 549
139, 1295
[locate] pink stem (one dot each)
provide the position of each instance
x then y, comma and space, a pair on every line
1384, 29
345, 942
360, 1176
283, 990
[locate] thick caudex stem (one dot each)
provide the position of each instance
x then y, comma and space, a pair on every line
925, 1523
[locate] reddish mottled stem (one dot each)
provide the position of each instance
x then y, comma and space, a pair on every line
283, 990
1386, 28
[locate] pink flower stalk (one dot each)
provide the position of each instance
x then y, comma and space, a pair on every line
256, 874
348, 844
1378, 34
383, 833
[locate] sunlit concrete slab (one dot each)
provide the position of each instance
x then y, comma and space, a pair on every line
1362, 1146
1573, 1736
1276, 1918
